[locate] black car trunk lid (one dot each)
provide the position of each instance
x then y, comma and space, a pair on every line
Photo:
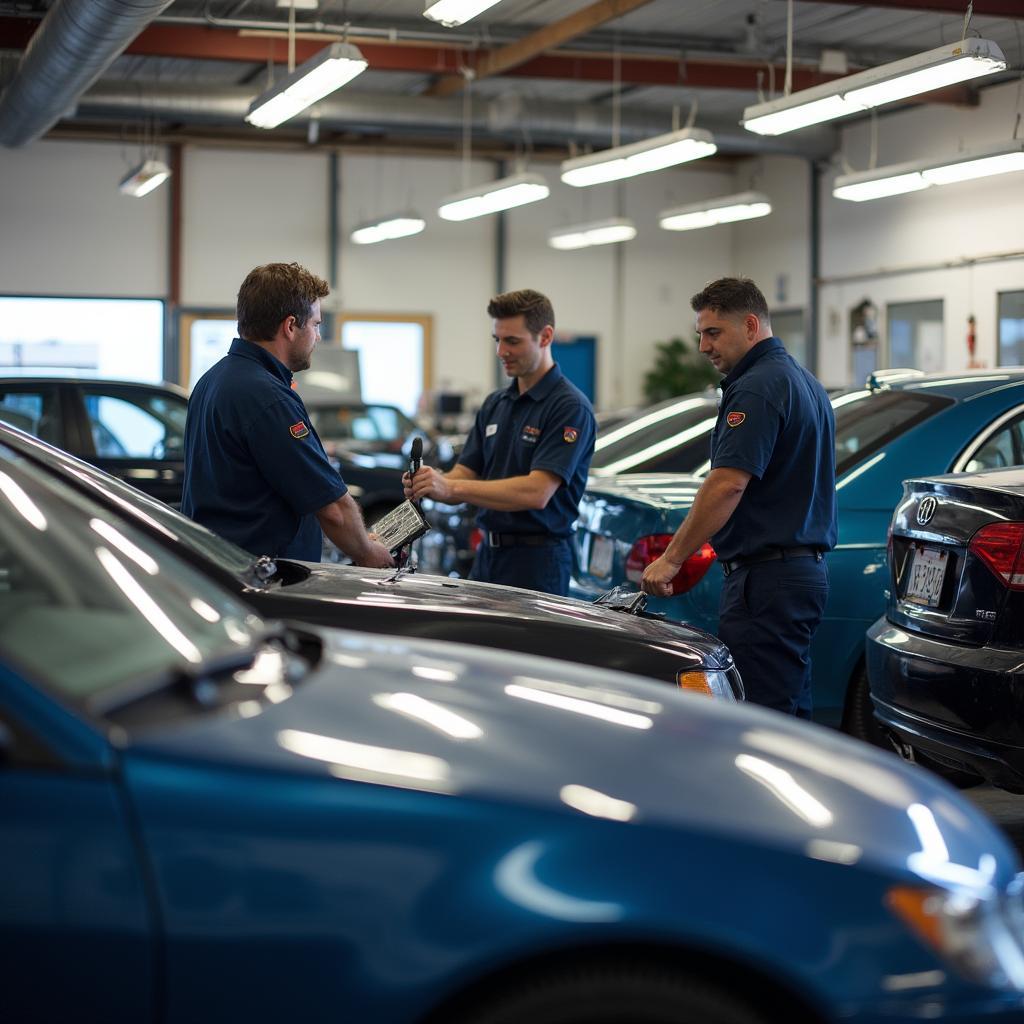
955, 556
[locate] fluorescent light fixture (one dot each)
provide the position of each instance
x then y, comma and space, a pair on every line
386, 228
141, 180
933, 69
600, 232
896, 179
638, 157
494, 196
455, 12
319, 76
709, 212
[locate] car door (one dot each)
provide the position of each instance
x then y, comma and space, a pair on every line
37, 407
138, 434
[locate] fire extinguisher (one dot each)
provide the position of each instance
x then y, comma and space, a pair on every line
971, 341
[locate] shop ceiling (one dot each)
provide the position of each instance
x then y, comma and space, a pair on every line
544, 76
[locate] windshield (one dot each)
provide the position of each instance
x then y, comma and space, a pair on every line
673, 437
371, 423
90, 606
140, 506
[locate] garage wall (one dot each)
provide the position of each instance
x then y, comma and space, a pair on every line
65, 229
960, 235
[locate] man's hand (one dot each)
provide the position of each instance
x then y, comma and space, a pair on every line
658, 577
428, 483
376, 556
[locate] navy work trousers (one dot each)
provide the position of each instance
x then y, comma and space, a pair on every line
545, 568
768, 614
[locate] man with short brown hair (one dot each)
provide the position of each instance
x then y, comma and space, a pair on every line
255, 470
526, 459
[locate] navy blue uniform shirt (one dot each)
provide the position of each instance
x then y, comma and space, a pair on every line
776, 423
255, 470
550, 427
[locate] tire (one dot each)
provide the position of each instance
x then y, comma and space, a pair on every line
858, 717
612, 995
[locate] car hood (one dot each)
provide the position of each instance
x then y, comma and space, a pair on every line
458, 721
341, 584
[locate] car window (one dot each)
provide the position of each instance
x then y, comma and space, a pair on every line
125, 609
336, 423
1004, 448
673, 437
138, 426
36, 411
866, 421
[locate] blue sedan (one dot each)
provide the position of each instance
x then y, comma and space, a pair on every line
896, 428
208, 816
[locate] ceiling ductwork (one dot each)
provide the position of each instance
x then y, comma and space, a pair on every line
503, 118
75, 43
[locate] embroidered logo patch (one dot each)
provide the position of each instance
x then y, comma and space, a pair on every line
530, 435
299, 430
734, 419
570, 434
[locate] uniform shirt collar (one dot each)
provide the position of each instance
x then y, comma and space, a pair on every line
250, 350
762, 348
541, 389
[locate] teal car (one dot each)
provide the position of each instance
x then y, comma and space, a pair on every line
894, 428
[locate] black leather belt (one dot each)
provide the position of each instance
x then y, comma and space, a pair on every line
775, 554
513, 540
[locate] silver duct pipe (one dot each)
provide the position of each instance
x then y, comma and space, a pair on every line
505, 117
75, 43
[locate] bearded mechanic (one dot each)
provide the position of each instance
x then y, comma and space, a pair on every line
526, 459
768, 504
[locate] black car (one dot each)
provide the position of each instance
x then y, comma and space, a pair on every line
410, 605
946, 662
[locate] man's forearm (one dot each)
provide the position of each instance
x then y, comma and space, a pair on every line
342, 522
712, 508
513, 494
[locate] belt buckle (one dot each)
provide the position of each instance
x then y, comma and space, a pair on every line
493, 539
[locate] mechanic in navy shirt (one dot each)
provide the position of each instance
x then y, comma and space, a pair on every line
768, 505
255, 470
526, 459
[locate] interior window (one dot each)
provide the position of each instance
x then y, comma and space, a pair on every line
141, 427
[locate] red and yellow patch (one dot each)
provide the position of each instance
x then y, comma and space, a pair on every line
299, 430
570, 434
734, 419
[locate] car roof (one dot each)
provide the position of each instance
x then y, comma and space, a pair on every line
9, 377
960, 384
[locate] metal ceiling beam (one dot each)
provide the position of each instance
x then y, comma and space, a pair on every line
988, 8
544, 39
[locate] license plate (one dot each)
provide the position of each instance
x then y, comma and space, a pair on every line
926, 575
602, 550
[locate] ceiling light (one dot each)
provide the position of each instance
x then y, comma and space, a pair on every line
709, 212
934, 69
600, 232
920, 174
455, 12
319, 76
638, 157
141, 180
494, 196
387, 228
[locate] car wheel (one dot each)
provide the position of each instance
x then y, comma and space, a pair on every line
859, 718
613, 995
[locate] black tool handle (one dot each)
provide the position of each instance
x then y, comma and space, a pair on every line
415, 459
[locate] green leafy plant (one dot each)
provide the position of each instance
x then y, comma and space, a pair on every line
679, 368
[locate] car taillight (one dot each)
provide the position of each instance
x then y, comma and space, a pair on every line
647, 549
1001, 547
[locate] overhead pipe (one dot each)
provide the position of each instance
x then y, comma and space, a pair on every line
503, 117
75, 43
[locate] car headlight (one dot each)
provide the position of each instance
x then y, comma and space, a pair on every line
707, 682
982, 937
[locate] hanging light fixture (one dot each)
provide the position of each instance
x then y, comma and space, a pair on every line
494, 196
330, 69
911, 76
662, 151
456, 12
387, 228
144, 177
897, 179
599, 232
721, 210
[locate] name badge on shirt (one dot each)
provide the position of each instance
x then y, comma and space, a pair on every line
492, 429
